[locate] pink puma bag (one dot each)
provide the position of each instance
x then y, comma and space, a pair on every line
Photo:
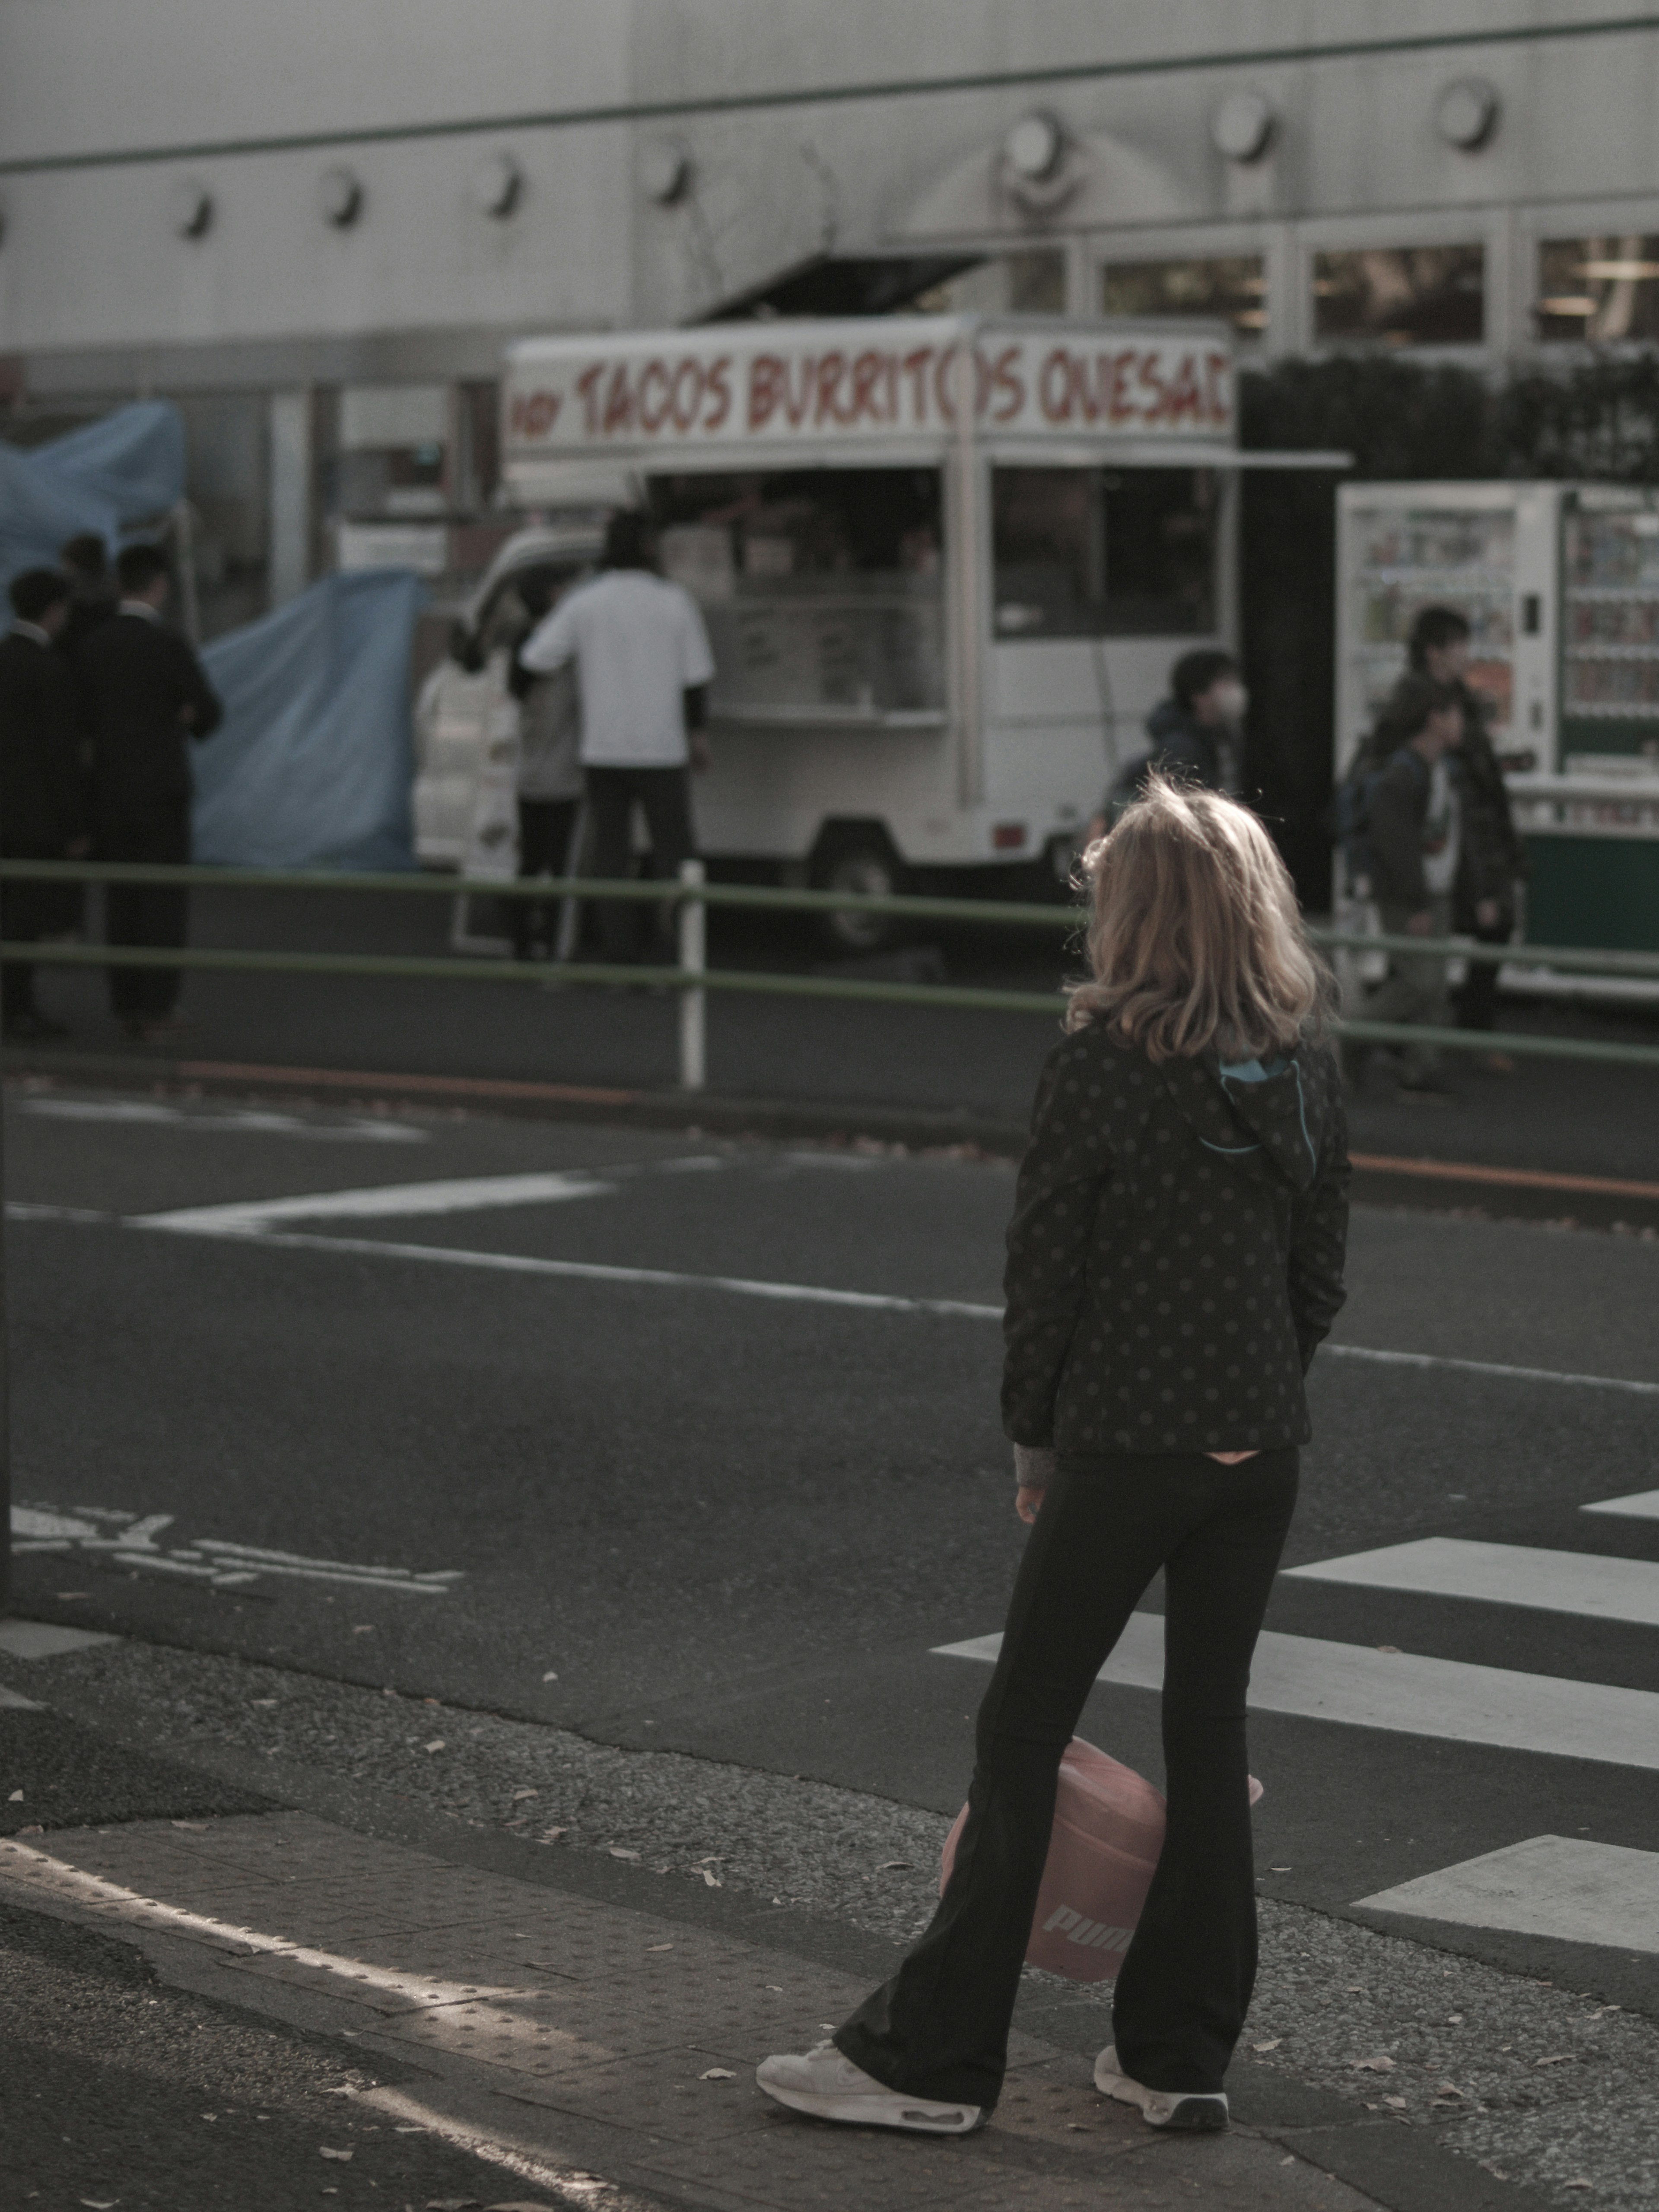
1108, 1832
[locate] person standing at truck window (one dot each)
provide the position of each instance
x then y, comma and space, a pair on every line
643, 664
1493, 860
1415, 834
146, 699
549, 776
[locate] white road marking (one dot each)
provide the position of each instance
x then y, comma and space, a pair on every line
468, 1195
1585, 1584
129, 1541
593, 1271
44, 1639
1640, 1505
249, 1220
1567, 1887
1405, 1694
1486, 1367
237, 1121
14, 1701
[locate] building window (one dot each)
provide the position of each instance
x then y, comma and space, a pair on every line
1401, 295
1082, 552
1027, 283
1599, 289
394, 450
1233, 286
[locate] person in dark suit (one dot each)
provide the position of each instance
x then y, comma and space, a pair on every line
145, 697
84, 560
41, 793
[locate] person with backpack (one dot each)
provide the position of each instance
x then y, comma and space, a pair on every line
1413, 834
1493, 860
1174, 1260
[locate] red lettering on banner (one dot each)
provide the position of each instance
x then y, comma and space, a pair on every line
1150, 380
869, 370
1008, 385
719, 383
588, 384
1185, 396
765, 389
831, 369
653, 413
534, 413
1216, 369
797, 405
1119, 404
916, 366
1055, 386
686, 393
618, 401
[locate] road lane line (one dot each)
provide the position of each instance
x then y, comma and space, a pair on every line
1640, 1505
1566, 1886
593, 1271
1584, 1584
1488, 1367
236, 1121
466, 1194
1404, 1694
246, 1222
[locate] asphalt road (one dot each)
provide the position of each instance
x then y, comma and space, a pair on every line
650, 1497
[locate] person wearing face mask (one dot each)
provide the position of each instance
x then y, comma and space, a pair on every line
1196, 733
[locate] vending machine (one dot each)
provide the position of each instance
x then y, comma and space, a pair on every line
1559, 584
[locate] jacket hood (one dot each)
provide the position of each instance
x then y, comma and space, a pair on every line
1270, 1123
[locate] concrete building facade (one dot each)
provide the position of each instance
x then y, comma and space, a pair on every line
316, 226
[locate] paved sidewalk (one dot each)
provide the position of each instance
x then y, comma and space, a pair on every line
596, 2053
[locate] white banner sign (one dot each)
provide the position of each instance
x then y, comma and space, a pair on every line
822, 384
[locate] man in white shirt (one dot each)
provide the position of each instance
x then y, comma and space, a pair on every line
642, 663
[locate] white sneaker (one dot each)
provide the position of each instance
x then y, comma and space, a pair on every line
1194, 2112
829, 2085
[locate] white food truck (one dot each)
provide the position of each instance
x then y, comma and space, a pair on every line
945, 563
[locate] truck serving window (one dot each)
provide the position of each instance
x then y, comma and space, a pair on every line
1102, 552
821, 587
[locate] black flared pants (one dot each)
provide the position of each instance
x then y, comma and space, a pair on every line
939, 2027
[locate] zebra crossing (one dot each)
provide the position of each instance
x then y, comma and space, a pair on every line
1571, 1888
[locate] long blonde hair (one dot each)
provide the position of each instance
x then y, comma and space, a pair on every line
1193, 938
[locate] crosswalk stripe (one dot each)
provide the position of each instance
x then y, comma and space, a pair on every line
1640, 1505
1567, 1887
1585, 1584
380, 1201
1407, 1694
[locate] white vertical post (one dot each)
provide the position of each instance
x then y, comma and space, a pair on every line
693, 962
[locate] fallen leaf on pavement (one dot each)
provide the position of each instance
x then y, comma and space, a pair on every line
550, 1835
518, 1795
659, 1946
710, 1880
271, 1701
1272, 2043
1395, 2104
15, 1798
341, 2154
436, 1744
718, 2073
1379, 2065
617, 1852
99, 2204
549, 1676
1561, 2058
1576, 2184
887, 1866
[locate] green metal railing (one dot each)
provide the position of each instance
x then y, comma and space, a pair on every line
692, 978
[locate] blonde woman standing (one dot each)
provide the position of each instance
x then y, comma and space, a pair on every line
1175, 1258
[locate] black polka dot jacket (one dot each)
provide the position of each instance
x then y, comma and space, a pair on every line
1176, 1254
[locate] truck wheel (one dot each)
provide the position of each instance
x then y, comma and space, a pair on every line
864, 863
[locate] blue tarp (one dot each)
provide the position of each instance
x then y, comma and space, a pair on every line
127, 469
312, 766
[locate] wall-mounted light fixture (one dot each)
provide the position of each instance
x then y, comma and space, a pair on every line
189, 208
1034, 148
1241, 124
664, 173
340, 198
1466, 114
497, 185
